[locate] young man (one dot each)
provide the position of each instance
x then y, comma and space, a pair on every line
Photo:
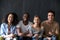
23, 25
51, 27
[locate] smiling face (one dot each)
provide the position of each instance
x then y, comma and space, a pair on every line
36, 20
25, 17
50, 16
10, 18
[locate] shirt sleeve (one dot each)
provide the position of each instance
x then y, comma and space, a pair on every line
18, 25
2, 30
41, 32
29, 29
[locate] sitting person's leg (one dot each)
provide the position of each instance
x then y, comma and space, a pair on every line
53, 37
19, 38
8, 38
11, 38
15, 38
27, 38
44, 38
40, 38
47, 38
1, 38
33, 38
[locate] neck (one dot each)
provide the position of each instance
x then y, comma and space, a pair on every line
9, 23
36, 25
50, 21
25, 22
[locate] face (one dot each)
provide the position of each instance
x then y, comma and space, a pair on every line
25, 17
36, 20
10, 18
50, 16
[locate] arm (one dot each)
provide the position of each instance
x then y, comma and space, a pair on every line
3, 32
41, 31
19, 32
57, 29
8, 36
29, 32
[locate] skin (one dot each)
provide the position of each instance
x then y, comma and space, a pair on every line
50, 17
9, 19
25, 22
25, 19
50, 21
36, 20
36, 26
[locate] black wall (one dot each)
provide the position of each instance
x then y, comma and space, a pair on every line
39, 7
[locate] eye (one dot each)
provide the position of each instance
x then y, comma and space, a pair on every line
49, 15
52, 15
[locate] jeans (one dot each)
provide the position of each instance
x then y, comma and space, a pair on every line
20, 38
52, 38
34, 38
24, 38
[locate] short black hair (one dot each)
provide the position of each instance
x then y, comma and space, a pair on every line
15, 18
51, 12
27, 14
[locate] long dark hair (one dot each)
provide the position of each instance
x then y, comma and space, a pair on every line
15, 18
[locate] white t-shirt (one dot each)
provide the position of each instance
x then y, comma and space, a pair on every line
24, 28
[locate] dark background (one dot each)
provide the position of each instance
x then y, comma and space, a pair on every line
39, 7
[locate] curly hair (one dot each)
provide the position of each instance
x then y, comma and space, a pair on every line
15, 18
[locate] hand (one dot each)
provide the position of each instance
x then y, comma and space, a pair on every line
36, 35
49, 38
26, 32
11, 35
29, 35
50, 33
20, 34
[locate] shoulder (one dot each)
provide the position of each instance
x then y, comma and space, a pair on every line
56, 23
30, 22
42, 28
20, 21
30, 26
3, 24
44, 21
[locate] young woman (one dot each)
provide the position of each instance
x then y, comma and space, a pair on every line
8, 29
36, 30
